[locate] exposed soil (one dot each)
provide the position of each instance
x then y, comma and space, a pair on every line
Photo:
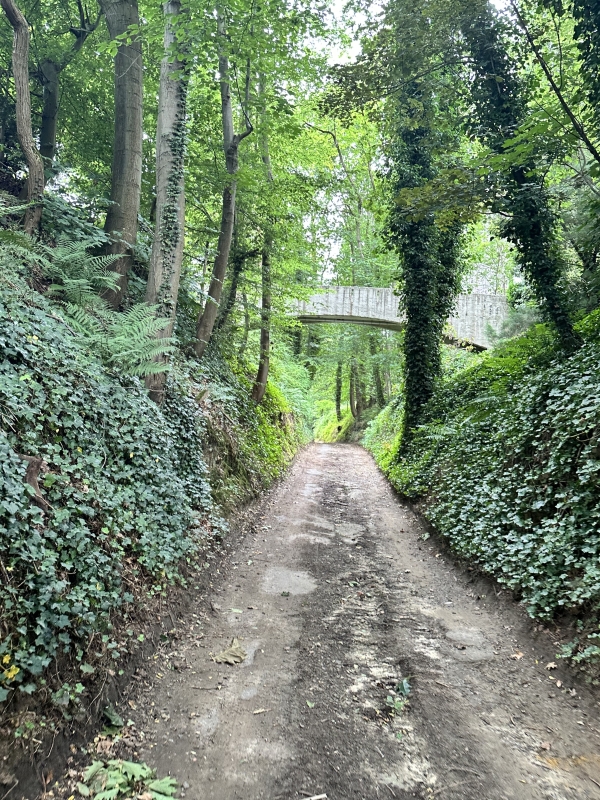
336, 597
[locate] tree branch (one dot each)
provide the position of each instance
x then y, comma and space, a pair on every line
546, 69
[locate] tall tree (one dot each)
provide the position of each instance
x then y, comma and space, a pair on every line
167, 249
20, 65
231, 142
126, 179
49, 72
260, 384
531, 225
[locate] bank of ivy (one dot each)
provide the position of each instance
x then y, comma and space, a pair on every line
508, 467
124, 500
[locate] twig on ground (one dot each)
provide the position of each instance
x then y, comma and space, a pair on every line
14, 786
463, 769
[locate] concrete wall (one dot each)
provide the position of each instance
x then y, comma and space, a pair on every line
379, 308
473, 314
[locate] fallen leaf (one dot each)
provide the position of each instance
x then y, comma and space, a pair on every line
309, 704
558, 684
236, 611
234, 654
518, 655
551, 665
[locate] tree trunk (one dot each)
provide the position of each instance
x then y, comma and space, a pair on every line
239, 262
167, 248
122, 217
260, 385
49, 76
379, 393
49, 71
351, 390
358, 391
244, 342
206, 321
231, 141
338, 392
20, 66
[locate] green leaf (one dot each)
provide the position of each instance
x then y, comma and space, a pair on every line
92, 770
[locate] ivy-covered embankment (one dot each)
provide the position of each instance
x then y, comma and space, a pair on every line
105, 497
507, 468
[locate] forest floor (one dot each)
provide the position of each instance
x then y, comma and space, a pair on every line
336, 596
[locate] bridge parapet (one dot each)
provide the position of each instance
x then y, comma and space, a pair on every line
378, 307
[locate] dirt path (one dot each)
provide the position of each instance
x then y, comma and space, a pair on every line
336, 597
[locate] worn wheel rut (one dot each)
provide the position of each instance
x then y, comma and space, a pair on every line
336, 597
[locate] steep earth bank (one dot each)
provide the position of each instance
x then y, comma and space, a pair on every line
336, 597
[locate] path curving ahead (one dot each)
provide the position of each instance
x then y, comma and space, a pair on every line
335, 597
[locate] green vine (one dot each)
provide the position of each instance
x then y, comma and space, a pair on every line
498, 98
429, 272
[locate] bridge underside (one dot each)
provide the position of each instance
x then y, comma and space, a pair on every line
378, 308
346, 318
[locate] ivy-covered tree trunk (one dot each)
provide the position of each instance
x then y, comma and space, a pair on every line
260, 384
422, 332
531, 226
231, 142
126, 184
428, 275
338, 391
20, 67
167, 249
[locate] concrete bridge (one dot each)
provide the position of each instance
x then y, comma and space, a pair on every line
363, 305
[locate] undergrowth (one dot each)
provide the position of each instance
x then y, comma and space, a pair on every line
508, 465
105, 498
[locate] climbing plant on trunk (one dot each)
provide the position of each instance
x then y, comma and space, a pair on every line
429, 256
497, 95
231, 142
166, 257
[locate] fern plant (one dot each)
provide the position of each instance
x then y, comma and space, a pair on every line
128, 340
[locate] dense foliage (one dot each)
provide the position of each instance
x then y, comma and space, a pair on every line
120, 496
508, 462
